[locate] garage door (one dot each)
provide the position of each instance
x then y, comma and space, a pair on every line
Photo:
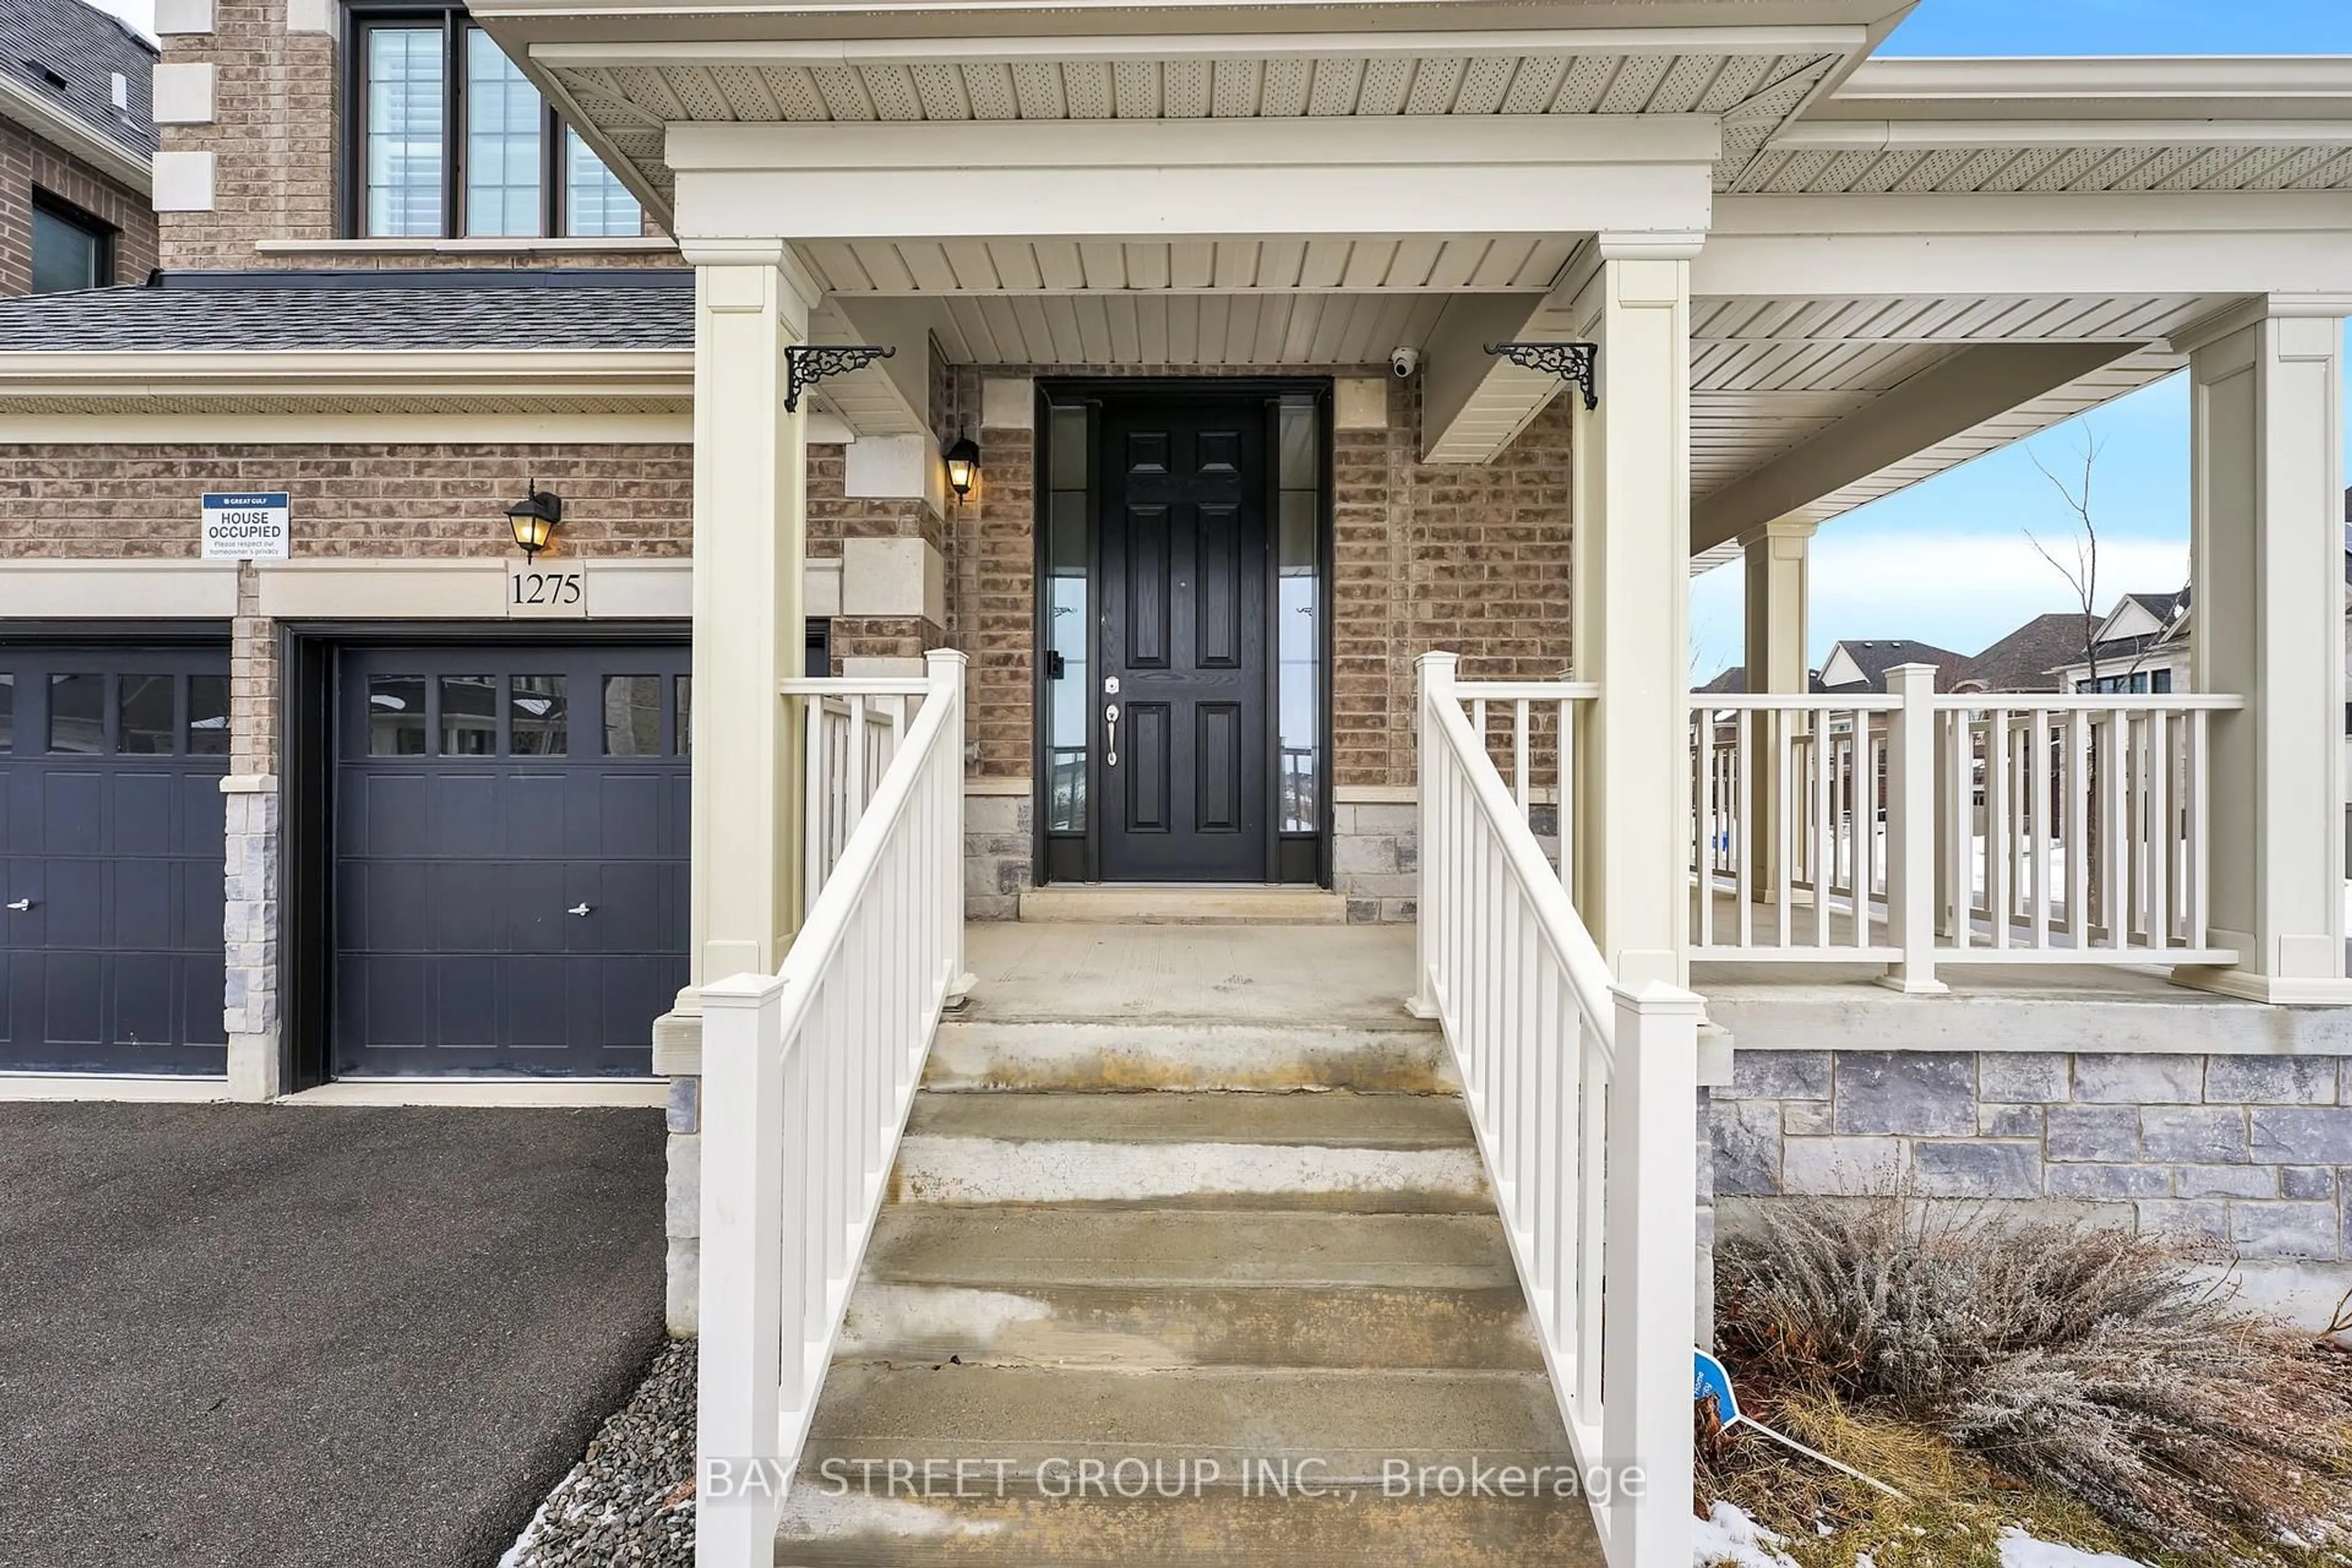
511, 858
111, 762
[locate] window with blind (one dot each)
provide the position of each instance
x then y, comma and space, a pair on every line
450, 140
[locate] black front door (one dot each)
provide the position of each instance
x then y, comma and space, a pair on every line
511, 857
1183, 585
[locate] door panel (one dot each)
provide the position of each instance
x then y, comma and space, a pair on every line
1184, 556
505, 854
111, 838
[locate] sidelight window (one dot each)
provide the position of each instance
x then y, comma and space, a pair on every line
1069, 560
1298, 634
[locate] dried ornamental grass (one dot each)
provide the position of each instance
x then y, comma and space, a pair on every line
2092, 1358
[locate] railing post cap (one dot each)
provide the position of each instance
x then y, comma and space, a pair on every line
747, 990
1436, 659
1657, 999
1908, 673
942, 659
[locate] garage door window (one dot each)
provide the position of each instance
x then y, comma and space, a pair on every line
469, 716
78, 714
147, 726
7, 713
208, 715
633, 716
536, 716
685, 714
396, 715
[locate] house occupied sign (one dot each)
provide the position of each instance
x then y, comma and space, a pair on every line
255, 526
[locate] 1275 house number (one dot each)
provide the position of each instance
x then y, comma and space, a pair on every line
546, 590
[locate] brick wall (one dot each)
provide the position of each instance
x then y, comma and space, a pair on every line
279, 154
28, 163
413, 501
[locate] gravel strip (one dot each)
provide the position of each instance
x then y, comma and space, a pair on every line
630, 1503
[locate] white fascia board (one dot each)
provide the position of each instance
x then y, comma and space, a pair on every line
75, 137
1152, 180
2242, 243
1889, 136
1010, 49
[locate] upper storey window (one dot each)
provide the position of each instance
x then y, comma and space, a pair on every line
451, 140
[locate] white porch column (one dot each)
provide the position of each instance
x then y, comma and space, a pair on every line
1778, 556
2267, 558
1631, 625
751, 530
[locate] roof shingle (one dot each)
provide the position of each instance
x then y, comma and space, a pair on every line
397, 310
69, 53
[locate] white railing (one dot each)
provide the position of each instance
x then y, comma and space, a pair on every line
853, 728
1921, 829
1537, 722
807, 1079
1582, 1092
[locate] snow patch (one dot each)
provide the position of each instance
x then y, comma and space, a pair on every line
1729, 1538
2019, 1549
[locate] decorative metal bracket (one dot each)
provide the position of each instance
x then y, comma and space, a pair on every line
1572, 363
805, 365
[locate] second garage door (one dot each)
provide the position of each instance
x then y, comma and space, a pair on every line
512, 857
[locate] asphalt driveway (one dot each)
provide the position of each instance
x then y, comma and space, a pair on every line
285, 1337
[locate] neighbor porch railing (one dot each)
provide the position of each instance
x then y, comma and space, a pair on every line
1582, 1092
807, 1078
1918, 828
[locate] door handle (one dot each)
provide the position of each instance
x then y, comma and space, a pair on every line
1110, 720
581, 910
20, 905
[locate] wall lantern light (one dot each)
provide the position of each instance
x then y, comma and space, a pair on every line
533, 519
963, 466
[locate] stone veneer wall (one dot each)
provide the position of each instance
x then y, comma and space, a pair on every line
2249, 1152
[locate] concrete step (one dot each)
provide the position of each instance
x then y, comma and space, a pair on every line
1399, 1057
1161, 904
1350, 1424
1367, 1153
1219, 1529
1146, 1289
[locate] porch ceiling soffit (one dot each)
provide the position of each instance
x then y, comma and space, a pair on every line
1966, 387
2050, 126
626, 75
2128, 372
890, 396
550, 383
1321, 331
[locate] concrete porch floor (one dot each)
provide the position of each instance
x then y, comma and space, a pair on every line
1357, 977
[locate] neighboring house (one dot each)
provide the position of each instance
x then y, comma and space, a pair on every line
2140, 646
1862, 666
76, 141
313, 773
2027, 659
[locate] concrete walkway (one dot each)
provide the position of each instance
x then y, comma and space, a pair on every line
307, 1337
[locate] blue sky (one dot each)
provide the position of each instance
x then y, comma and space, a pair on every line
1948, 562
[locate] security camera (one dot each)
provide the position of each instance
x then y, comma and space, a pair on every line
1403, 362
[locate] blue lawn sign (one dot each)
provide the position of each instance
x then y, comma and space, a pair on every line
1710, 1376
